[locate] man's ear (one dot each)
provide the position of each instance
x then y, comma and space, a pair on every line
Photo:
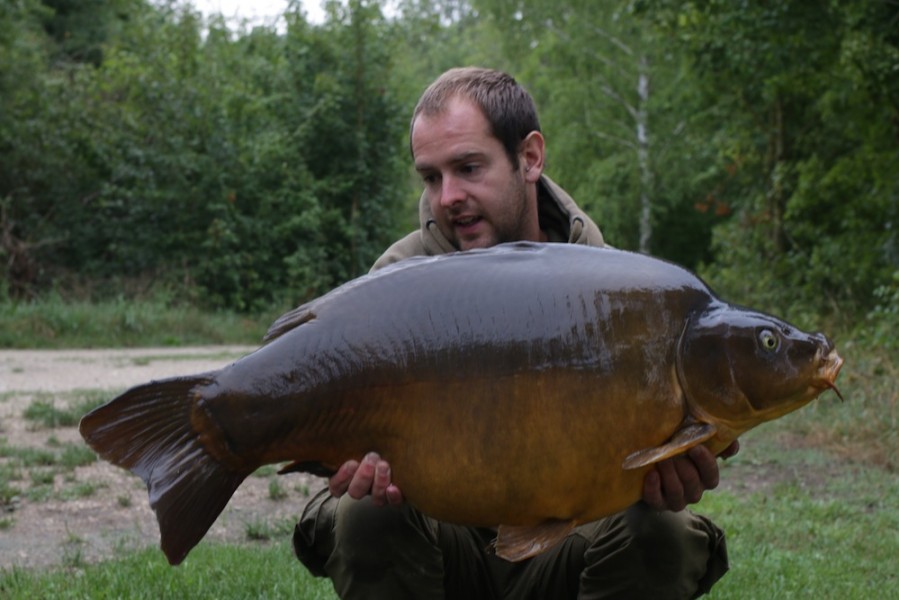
531, 156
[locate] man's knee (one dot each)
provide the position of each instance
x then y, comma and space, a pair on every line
666, 544
647, 553
358, 544
313, 536
367, 536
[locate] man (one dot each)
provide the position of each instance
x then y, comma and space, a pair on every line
476, 142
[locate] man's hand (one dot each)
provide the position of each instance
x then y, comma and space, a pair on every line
681, 480
371, 477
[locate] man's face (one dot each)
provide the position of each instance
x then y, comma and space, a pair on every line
478, 199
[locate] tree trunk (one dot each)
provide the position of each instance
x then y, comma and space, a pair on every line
776, 170
646, 176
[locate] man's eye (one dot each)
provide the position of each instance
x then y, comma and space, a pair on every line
469, 169
429, 179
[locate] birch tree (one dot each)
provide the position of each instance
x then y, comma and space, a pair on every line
599, 76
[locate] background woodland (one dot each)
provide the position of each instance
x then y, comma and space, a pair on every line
146, 149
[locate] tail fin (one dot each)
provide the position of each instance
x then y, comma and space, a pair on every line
148, 431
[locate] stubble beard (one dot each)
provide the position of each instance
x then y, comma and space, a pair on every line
508, 224
511, 225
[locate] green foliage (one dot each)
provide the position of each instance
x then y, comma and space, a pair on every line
44, 411
622, 128
80, 28
262, 530
810, 147
257, 167
50, 416
883, 322
275, 490
9, 492
28, 457
53, 322
67, 455
248, 168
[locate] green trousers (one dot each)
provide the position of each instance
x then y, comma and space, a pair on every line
392, 553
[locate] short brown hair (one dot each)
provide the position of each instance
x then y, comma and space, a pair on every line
508, 107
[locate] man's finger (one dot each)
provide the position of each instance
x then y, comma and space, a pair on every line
690, 479
380, 483
672, 489
652, 491
730, 450
706, 466
340, 481
360, 485
394, 496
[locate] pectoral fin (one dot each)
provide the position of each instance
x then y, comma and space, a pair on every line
518, 543
683, 439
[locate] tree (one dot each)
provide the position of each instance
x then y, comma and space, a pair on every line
614, 110
253, 166
811, 144
80, 28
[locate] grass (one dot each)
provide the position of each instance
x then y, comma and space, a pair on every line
825, 533
33, 472
810, 505
865, 427
52, 322
51, 410
828, 533
260, 529
211, 571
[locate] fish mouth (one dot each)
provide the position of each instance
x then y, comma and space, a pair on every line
833, 362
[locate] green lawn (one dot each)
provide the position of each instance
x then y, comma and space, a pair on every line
803, 523
211, 571
56, 323
810, 507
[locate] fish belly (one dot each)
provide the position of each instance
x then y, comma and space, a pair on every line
513, 450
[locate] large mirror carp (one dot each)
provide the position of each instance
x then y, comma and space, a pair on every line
587, 365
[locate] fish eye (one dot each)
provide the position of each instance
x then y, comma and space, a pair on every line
768, 340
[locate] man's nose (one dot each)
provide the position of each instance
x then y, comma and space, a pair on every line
451, 191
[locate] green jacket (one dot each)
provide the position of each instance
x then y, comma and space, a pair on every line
560, 218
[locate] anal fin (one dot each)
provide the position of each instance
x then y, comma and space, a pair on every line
683, 439
517, 543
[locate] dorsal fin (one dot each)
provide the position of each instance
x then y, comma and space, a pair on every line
289, 320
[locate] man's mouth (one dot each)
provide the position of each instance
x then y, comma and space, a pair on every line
466, 222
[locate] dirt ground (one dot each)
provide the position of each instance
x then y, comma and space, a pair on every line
116, 516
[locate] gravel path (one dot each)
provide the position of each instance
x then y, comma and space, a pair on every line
39, 532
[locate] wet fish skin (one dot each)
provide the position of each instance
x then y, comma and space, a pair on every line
582, 364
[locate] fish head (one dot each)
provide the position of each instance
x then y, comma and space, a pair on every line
740, 368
